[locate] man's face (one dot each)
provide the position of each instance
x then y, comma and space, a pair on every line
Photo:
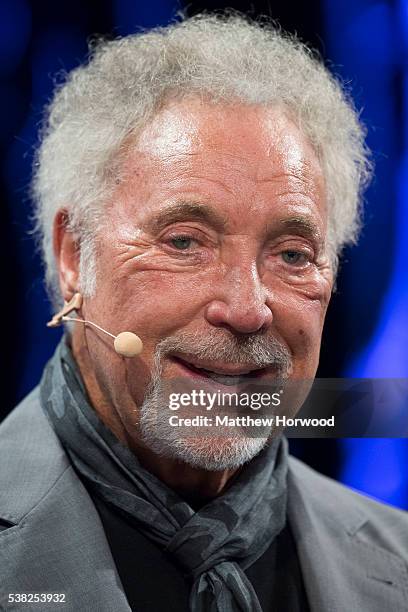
215, 236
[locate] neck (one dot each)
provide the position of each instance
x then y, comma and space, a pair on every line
196, 486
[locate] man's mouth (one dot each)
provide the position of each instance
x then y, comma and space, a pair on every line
223, 374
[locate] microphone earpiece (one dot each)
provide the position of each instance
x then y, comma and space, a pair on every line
126, 343
74, 303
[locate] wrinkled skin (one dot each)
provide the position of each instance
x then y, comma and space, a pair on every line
260, 267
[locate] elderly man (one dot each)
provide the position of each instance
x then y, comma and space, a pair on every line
194, 186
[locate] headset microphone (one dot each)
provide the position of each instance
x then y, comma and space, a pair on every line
126, 343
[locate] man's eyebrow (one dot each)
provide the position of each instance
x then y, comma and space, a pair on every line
183, 211
298, 225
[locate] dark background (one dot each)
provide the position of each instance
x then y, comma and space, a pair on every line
366, 333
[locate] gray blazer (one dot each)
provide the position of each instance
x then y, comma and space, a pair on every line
353, 551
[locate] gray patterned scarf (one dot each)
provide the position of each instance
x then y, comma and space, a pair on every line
215, 544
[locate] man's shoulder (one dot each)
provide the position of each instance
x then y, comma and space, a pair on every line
51, 536
31, 458
338, 496
338, 505
353, 550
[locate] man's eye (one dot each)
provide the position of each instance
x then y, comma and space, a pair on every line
294, 258
182, 242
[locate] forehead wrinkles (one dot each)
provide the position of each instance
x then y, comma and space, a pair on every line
285, 156
229, 171
261, 166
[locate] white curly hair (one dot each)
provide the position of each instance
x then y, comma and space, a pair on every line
226, 58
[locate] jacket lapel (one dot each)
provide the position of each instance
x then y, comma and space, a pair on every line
57, 543
342, 569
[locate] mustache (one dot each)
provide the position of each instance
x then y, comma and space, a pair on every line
256, 349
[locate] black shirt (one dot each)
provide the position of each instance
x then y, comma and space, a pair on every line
153, 581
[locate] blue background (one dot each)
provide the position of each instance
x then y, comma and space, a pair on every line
366, 334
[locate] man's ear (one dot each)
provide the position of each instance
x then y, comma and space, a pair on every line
66, 251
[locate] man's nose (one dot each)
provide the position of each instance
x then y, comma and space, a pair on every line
242, 305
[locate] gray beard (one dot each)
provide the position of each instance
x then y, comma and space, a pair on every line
207, 451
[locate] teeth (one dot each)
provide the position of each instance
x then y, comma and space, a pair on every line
222, 378
225, 379
212, 373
